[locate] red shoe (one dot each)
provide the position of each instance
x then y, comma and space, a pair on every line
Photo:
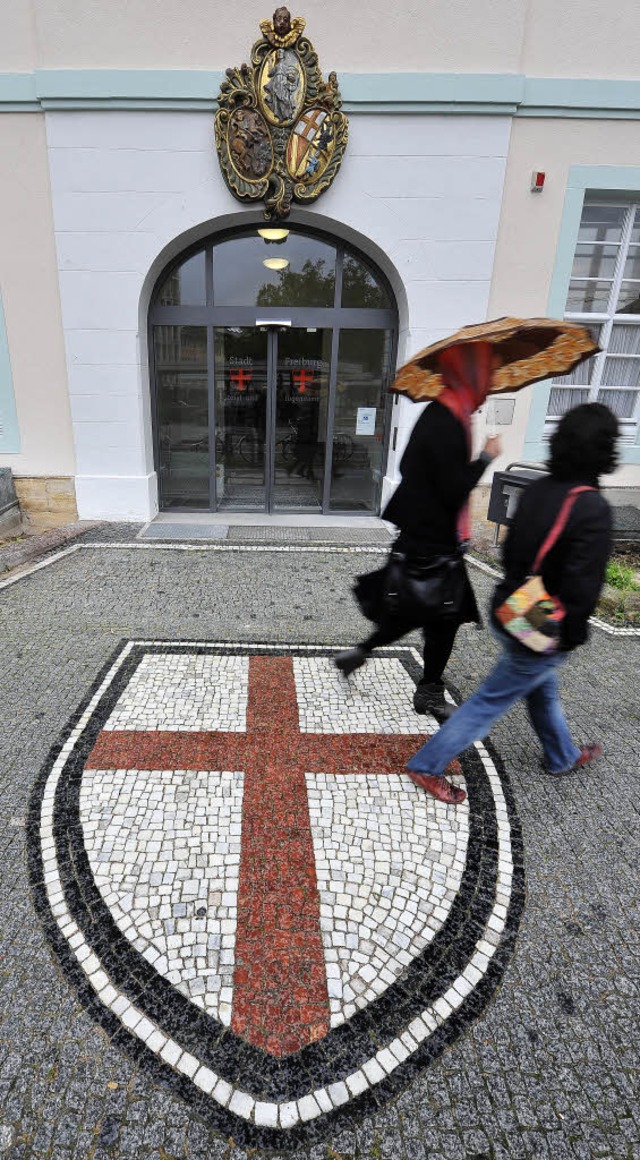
587, 753
439, 787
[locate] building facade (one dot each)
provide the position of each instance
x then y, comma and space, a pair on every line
150, 360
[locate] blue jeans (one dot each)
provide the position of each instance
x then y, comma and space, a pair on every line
517, 674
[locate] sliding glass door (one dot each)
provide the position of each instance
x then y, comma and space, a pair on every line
271, 368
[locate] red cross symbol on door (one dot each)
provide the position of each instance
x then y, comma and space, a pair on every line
280, 999
302, 379
240, 378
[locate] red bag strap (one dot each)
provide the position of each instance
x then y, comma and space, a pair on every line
559, 525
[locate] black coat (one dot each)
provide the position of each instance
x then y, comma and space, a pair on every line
575, 567
436, 479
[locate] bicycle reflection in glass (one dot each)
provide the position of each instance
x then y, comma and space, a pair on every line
302, 455
293, 448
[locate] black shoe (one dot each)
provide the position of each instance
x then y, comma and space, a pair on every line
350, 660
429, 698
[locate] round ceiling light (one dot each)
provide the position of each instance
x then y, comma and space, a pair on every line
275, 263
273, 235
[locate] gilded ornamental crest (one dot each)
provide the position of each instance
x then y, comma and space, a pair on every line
280, 131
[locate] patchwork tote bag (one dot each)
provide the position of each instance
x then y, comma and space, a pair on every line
531, 614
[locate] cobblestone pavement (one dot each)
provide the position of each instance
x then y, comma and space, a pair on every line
550, 1067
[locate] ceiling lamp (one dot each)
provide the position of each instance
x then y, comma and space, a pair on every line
273, 235
275, 263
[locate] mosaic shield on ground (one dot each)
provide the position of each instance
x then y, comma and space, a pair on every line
249, 893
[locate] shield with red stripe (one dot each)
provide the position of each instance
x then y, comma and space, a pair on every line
250, 894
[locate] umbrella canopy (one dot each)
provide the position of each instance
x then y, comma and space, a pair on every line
528, 350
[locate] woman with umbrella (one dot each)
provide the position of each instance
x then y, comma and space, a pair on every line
431, 511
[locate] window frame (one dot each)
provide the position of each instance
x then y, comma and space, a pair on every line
604, 321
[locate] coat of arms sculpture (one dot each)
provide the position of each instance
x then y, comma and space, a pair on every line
280, 132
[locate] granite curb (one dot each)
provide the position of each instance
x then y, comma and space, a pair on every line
28, 549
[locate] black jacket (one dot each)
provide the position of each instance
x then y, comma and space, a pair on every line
436, 479
575, 567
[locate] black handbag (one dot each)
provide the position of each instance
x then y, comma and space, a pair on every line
413, 589
369, 591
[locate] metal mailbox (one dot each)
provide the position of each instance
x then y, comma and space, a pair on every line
506, 488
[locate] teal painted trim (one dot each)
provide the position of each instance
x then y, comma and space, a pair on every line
565, 250
9, 431
458, 108
598, 179
578, 113
539, 453
605, 178
580, 96
510, 94
450, 89
129, 84
18, 92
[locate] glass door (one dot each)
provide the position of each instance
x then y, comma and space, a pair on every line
182, 416
302, 358
241, 413
290, 435
363, 371
271, 361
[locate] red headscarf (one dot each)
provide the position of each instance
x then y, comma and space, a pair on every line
466, 372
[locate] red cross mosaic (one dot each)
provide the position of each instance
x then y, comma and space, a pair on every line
280, 992
245, 888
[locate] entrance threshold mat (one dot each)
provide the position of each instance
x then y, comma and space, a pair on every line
184, 532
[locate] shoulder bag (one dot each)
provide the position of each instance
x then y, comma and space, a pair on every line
531, 615
413, 589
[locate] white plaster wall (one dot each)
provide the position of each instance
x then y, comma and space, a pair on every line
544, 38
30, 295
456, 35
17, 36
425, 191
581, 38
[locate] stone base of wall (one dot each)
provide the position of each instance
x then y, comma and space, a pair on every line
46, 501
10, 523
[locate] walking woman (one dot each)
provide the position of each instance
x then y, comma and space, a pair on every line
583, 448
430, 508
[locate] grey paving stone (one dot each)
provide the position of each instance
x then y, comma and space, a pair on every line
117, 533
530, 1078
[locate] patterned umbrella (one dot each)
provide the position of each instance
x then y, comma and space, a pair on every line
528, 350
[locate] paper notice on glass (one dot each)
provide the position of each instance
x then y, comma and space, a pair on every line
491, 417
366, 421
499, 413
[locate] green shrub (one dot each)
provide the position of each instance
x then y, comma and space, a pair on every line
621, 576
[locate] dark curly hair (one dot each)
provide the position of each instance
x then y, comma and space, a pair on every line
583, 446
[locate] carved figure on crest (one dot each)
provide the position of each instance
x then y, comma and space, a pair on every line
281, 89
280, 130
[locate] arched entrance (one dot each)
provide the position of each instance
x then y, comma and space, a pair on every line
271, 359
